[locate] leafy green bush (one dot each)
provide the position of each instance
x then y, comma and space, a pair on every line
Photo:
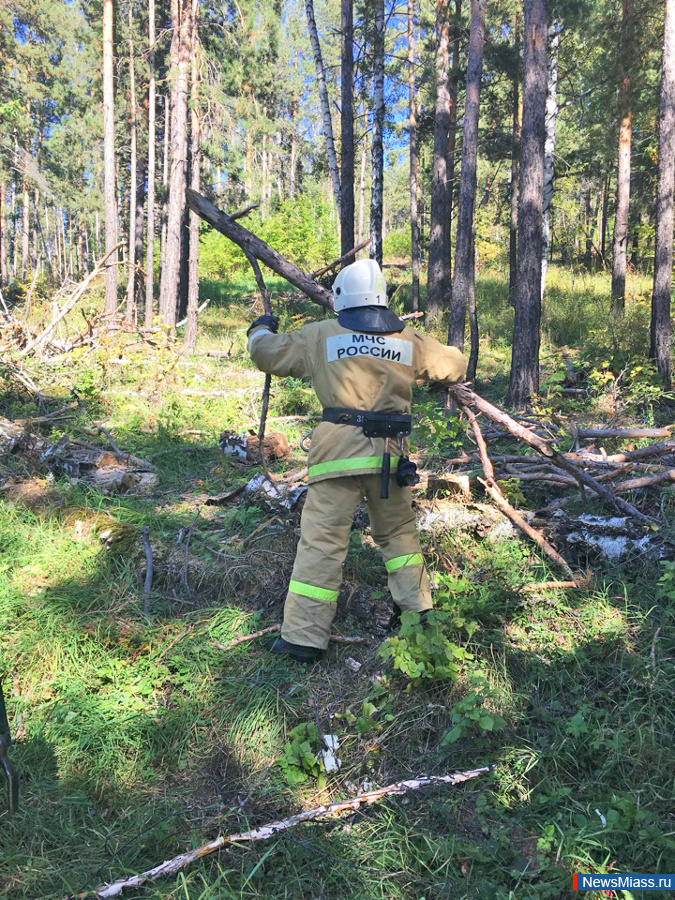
301, 760
423, 652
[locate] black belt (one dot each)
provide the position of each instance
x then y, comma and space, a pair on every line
374, 424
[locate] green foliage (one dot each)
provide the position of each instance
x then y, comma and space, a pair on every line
301, 760
302, 231
434, 432
423, 652
470, 716
667, 581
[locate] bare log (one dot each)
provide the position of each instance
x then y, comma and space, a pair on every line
626, 432
171, 866
466, 397
646, 481
254, 246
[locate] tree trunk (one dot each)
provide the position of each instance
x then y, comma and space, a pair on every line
195, 166
165, 181
414, 160
4, 271
25, 227
377, 192
152, 102
516, 116
620, 240
325, 105
438, 270
109, 158
169, 291
660, 329
347, 130
362, 176
464, 264
524, 380
131, 279
553, 40
604, 219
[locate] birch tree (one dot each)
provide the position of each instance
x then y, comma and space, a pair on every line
377, 198
325, 104
553, 42
347, 129
109, 158
620, 240
660, 344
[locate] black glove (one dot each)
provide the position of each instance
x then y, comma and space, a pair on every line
270, 322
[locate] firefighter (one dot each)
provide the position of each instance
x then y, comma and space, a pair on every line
362, 366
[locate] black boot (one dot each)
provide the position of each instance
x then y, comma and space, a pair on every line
295, 651
395, 621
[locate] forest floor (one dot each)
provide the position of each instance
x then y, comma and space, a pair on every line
142, 731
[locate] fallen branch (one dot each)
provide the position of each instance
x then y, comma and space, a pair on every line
494, 491
171, 866
464, 396
334, 638
338, 262
42, 337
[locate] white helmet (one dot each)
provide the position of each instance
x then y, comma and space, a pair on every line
360, 284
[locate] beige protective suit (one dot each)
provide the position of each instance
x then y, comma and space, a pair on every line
366, 372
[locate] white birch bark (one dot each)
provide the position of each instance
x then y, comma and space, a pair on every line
553, 42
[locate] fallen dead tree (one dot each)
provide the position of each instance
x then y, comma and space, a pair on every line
108, 470
264, 832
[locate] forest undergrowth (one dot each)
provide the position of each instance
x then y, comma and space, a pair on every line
137, 737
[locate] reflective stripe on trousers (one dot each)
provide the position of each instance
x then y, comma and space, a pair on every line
327, 518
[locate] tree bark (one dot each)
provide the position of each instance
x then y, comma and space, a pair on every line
377, 189
660, 344
195, 167
362, 176
325, 105
131, 280
553, 42
438, 270
181, 15
152, 112
516, 116
109, 158
620, 240
464, 265
347, 129
4, 270
524, 379
414, 160
165, 181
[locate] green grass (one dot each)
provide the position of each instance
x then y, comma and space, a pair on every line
139, 739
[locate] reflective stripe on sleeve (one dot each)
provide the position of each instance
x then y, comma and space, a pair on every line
310, 590
398, 562
350, 465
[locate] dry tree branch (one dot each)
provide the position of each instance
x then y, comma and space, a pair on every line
82, 287
334, 638
494, 491
171, 866
464, 396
